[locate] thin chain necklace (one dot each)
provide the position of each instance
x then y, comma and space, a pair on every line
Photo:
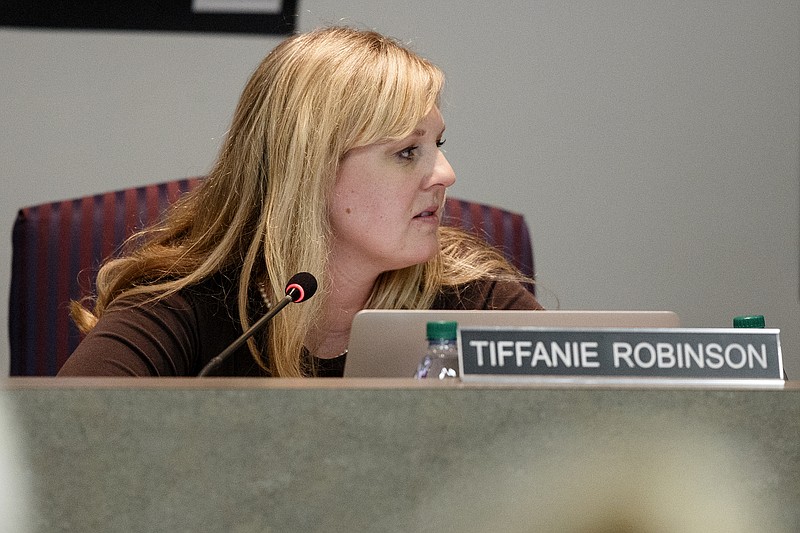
263, 292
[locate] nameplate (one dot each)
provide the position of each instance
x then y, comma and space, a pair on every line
504, 353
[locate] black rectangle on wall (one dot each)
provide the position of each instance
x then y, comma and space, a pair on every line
152, 15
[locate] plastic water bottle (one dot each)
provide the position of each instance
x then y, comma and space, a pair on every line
441, 359
749, 321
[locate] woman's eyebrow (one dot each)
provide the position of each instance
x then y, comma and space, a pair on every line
421, 132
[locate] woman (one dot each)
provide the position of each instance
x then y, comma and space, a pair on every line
332, 165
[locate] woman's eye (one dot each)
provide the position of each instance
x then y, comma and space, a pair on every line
409, 153
412, 152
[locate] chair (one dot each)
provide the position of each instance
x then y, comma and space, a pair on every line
57, 248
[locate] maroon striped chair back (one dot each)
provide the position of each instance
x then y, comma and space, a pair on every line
505, 230
58, 247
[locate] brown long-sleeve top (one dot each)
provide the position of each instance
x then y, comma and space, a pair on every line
178, 335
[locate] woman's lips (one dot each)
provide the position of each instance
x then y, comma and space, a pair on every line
430, 211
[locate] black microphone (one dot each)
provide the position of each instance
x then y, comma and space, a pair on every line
299, 288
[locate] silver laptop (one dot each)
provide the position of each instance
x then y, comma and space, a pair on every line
388, 343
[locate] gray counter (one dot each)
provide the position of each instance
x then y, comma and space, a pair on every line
398, 455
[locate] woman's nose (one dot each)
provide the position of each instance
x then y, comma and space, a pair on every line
443, 173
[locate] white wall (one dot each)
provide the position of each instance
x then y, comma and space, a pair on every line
653, 146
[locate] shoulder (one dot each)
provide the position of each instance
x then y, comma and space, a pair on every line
487, 294
170, 336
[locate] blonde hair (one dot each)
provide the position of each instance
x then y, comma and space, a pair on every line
262, 212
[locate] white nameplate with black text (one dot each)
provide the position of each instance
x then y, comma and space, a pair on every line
642, 354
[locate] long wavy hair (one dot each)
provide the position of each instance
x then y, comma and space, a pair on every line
261, 214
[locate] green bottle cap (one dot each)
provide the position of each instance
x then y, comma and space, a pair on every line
442, 330
749, 321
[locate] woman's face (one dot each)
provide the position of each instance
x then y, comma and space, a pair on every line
388, 199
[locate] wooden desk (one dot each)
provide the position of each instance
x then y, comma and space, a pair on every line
399, 455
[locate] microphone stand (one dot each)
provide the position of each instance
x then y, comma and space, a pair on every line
252, 330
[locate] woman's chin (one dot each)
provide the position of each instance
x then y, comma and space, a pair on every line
425, 254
